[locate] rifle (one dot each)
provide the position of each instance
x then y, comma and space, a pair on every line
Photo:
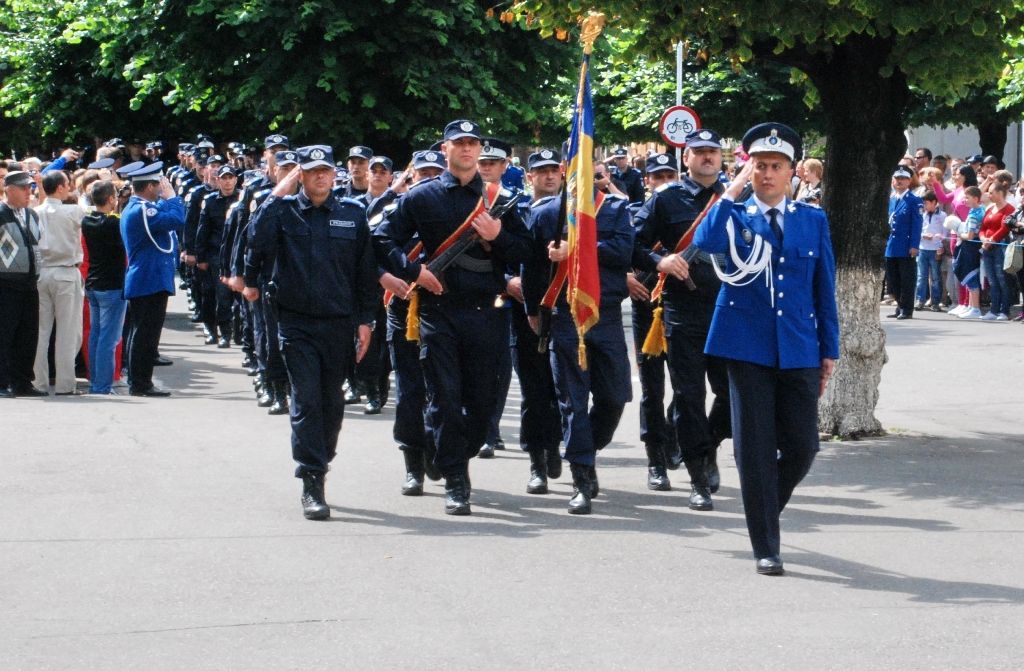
445, 259
544, 313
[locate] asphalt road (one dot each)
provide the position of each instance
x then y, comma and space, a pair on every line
167, 534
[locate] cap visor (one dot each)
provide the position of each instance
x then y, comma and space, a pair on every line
317, 164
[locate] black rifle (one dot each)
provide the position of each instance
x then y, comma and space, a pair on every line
469, 238
544, 313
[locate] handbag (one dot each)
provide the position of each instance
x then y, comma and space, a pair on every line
1013, 262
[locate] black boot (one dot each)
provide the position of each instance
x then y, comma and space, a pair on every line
538, 483
279, 390
711, 468
700, 493
429, 468
352, 395
595, 488
314, 507
554, 464
225, 335
413, 485
657, 478
372, 406
266, 399
456, 494
582, 485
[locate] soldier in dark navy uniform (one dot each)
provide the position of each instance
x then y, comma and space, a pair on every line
358, 164
540, 425
461, 334
324, 283
209, 238
209, 165
775, 322
629, 178
661, 222
586, 427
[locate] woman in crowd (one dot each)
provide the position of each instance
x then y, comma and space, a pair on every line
963, 177
992, 235
810, 186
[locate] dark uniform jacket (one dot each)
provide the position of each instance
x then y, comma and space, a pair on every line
210, 232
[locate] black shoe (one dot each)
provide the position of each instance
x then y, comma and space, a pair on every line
894, 315
210, 340
499, 444
413, 485
486, 452
582, 485
700, 492
711, 469
248, 362
195, 319
595, 487
223, 343
266, 399
29, 392
372, 407
657, 479
554, 463
352, 396
280, 405
152, 392
69, 393
429, 469
904, 315
538, 483
6, 393
770, 566
456, 495
314, 507
161, 361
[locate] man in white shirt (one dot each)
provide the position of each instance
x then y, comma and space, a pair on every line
60, 284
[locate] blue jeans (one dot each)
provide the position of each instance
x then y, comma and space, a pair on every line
106, 320
927, 263
992, 269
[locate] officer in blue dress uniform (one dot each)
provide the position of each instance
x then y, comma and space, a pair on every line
586, 427
324, 282
687, 313
461, 330
906, 215
150, 224
540, 424
775, 322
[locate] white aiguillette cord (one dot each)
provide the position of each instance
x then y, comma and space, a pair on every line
759, 261
145, 224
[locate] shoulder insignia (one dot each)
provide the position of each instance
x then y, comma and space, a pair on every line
390, 207
666, 186
424, 181
345, 200
202, 205
150, 211
253, 205
376, 220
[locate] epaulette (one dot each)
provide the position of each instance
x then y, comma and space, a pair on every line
345, 200
211, 195
258, 198
668, 185
378, 218
424, 181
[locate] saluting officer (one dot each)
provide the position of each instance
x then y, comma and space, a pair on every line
687, 313
461, 331
906, 216
325, 279
775, 322
586, 427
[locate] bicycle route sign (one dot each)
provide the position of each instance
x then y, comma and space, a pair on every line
677, 122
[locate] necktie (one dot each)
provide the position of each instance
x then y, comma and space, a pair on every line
773, 221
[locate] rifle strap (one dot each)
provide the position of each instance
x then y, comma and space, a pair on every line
412, 321
684, 242
562, 271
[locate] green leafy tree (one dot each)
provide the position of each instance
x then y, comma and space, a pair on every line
981, 106
862, 58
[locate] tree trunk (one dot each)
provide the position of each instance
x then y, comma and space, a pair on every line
992, 135
863, 113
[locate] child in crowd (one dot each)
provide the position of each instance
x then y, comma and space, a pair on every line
967, 264
929, 254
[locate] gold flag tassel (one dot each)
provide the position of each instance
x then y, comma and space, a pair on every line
655, 343
412, 318
582, 353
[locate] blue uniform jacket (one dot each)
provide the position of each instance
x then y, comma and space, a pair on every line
614, 252
151, 270
802, 326
905, 219
321, 258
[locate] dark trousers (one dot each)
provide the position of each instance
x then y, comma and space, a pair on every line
410, 430
147, 321
540, 425
588, 428
775, 438
245, 319
697, 431
266, 340
372, 373
504, 381
317, 354
19, 332
460, 350
654, 428
216, 302
901, 278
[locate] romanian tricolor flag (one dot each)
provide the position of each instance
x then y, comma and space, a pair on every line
584, 281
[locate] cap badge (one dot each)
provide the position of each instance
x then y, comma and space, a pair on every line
466, 126
430, 156
662, 160
317, 155
546, 154
773, 139
704, 135
487, 147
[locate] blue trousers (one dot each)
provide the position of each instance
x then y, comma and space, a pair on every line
106, 323
317, 354
775, 439
588, 428
504, 381
410, 429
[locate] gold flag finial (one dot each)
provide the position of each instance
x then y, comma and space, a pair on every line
592, 26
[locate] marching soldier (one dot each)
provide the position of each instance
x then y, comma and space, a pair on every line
209, 238
316, 249
775, 323
462, 333
629, 178
358, 172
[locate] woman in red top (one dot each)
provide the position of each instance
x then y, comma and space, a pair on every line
993, 231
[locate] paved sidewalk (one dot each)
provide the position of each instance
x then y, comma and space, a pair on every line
167, 534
